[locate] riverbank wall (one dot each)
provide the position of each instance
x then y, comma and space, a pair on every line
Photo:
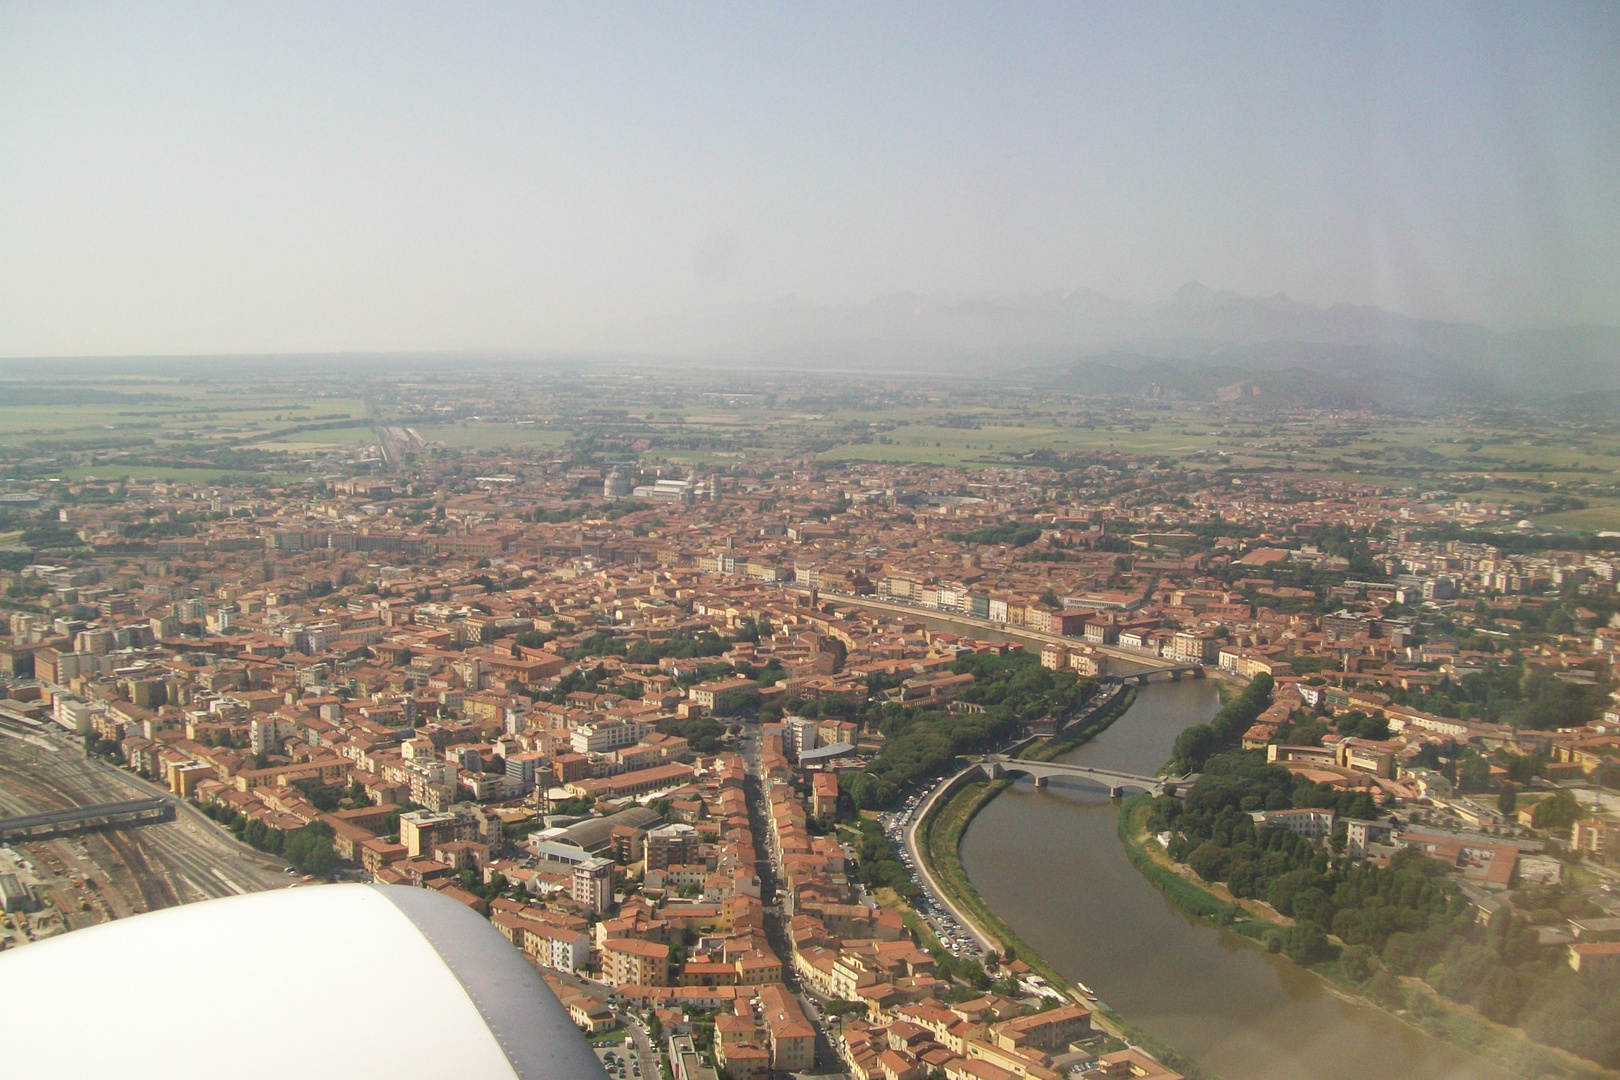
937, 835
938, 839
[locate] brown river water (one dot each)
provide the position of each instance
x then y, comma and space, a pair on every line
1051, 864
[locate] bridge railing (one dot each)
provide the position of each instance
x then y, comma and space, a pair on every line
55, 822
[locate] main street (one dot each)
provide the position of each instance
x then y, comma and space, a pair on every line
775, 925
985, 940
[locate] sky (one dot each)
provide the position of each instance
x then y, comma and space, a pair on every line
286, 177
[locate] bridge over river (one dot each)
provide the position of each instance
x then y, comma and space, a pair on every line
1163, 670
997, 766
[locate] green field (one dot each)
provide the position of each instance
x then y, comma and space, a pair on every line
356, 435
953, 446
1598, 517
491, 435
194, 476
699, 420
182, 413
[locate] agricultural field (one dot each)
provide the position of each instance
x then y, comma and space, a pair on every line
139, 473
493, 435
299, 422
303, 441
158, 411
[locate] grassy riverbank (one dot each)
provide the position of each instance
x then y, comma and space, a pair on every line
940, 834
1082, 731
940, 841
1408, 999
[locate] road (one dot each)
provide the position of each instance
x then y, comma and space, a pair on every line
986, 941
775, 929
646, 1052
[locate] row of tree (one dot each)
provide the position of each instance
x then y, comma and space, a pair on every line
880, 868
923, 742
309, 849
1199, 743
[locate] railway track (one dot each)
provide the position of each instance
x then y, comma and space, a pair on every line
26, 792
31, 792
155, 892
145, 869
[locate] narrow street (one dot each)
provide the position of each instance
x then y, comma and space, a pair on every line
775, 923
646, 1052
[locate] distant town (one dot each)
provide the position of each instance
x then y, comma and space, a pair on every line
656, 673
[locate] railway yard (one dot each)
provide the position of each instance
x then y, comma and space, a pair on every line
105, 874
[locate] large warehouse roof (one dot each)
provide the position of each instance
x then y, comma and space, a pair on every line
337, 980
594, 834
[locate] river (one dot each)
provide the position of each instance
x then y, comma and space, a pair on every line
1049, 861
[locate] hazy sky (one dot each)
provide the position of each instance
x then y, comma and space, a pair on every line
229, 177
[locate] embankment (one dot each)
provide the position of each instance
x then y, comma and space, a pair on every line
939, 843
1409, 1000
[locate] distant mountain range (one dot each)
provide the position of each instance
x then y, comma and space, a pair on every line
1200, 344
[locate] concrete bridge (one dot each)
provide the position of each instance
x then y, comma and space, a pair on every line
1172, 672
997, 766
66, 822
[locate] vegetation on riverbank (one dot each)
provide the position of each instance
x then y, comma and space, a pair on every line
1199, 743
1358, 968
1081, 731
940, 840
1183, 893
922, 741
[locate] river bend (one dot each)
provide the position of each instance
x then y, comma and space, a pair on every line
1049, 861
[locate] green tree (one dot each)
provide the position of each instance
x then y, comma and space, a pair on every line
1198, 743
1209, 861
1305, 943
1508, 801
1358, 962
1474, 774
310, 850
255, 832
1558, 811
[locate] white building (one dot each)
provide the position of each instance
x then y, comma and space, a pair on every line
616, 486
607, 735
72, 714
267, 733
1189, 648
801, 735
593, 884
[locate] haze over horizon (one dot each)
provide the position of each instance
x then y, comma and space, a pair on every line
204, 179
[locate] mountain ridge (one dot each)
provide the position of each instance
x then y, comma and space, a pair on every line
1044, 338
